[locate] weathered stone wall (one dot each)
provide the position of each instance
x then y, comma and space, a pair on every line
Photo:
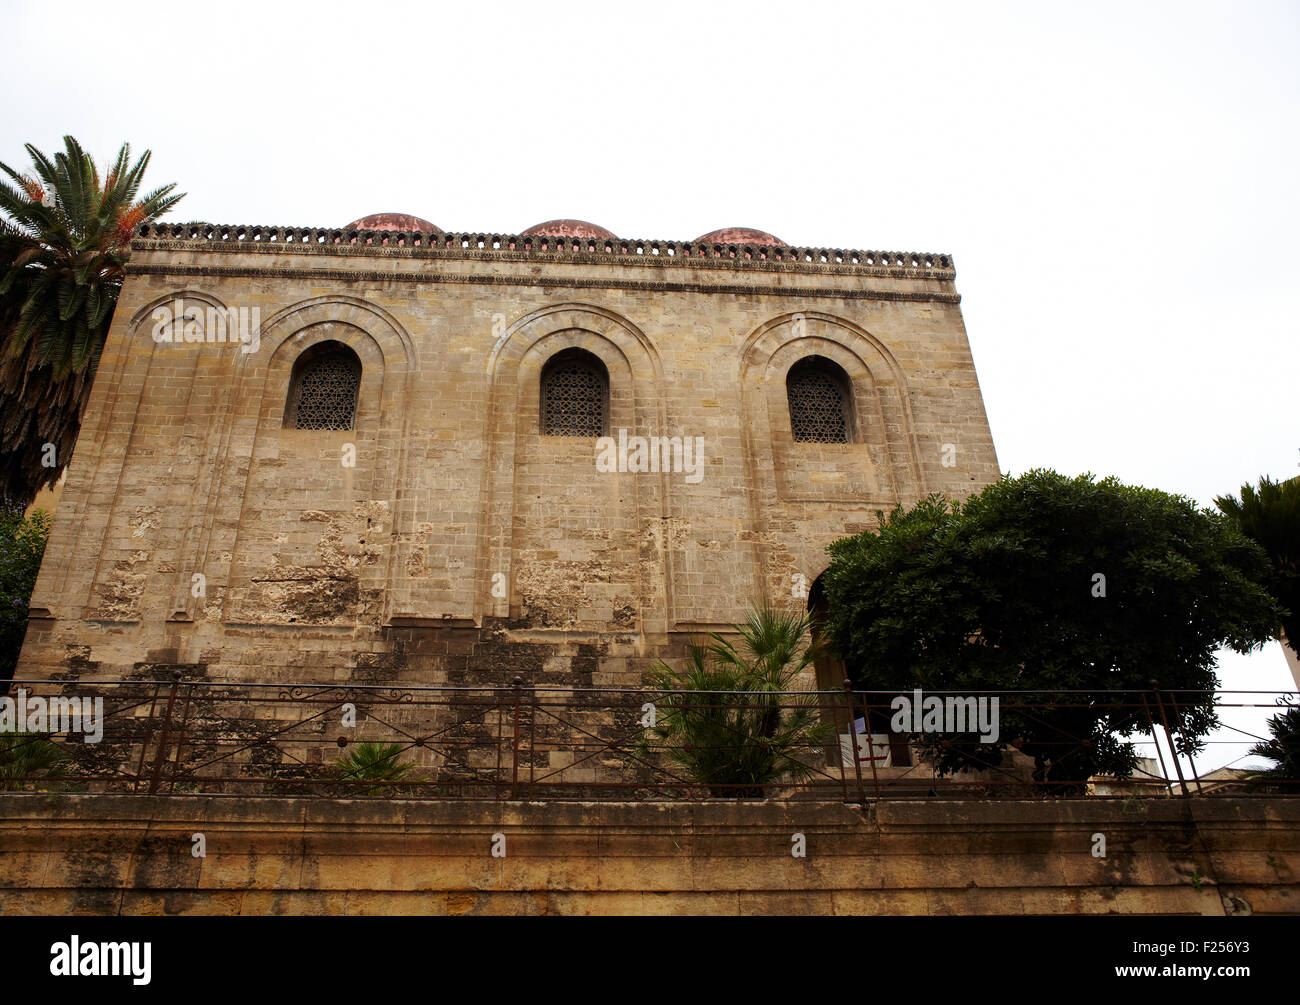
69, 854
319, 572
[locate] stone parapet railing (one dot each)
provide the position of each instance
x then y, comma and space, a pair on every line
903, 263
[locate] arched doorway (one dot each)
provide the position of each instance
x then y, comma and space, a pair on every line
831, 674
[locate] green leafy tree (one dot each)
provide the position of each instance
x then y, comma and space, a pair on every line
1283, 748
65, 237
22, 543
1044, 583
721, 718
374, 762
1270, 516
24, 757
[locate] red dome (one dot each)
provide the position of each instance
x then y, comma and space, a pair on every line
569, 228
739, 235
393, 221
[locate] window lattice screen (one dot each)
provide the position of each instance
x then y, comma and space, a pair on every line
575, 398
327, 394
817, 407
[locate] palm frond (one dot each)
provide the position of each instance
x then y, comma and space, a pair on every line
726, 718
64, 241
26, 756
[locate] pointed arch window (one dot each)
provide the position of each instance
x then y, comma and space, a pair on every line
575, 395
821, 407
323, 388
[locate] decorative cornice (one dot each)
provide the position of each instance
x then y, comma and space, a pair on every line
512, 247
545, 282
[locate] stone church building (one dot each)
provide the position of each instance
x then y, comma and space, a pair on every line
386, 453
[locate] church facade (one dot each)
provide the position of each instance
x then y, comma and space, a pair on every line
384, 453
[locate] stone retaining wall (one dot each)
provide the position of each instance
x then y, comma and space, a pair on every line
96, 854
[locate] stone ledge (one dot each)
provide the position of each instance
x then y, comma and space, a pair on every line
76, 853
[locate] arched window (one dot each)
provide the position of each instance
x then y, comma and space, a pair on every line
821, 409
323, 388
575, 395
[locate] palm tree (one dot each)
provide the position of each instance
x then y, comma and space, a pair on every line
722, 718
63, 253
1270, 516
373, 762
1283, 748
23, 756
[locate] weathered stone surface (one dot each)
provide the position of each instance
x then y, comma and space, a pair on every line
464, 546
86, 854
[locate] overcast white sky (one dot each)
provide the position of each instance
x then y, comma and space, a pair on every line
1116, 181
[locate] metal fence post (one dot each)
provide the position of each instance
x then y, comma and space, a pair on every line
180, 736
146, 740
839, 745
501, 732
853, 742
514, 740
161, 753
1155, 742
1173, 750
1178, 718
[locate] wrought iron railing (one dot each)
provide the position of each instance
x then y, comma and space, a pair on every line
525, 742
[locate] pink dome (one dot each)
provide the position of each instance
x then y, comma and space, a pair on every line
739, 235
569, 228
393, 221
